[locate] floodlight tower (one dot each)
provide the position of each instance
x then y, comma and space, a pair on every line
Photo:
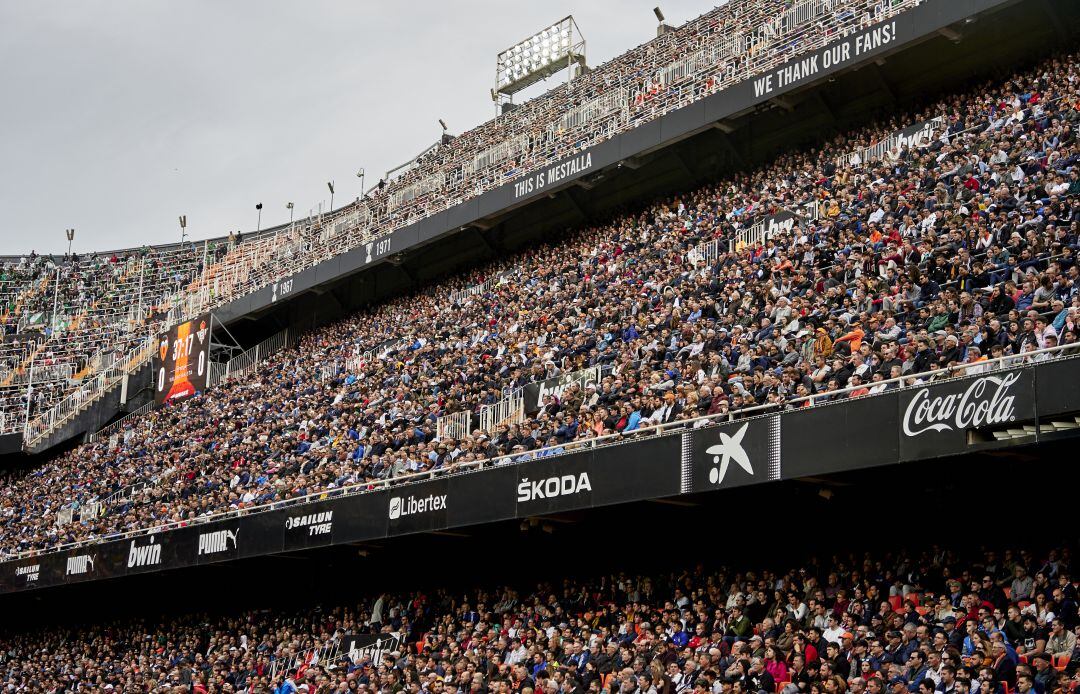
545, 53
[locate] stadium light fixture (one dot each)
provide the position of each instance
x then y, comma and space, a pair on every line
663, 27
183, 227
446, 137
70, 233
330, 185
289, 207
258, 222
538, 57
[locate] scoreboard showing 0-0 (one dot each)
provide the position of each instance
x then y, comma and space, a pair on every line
182, 360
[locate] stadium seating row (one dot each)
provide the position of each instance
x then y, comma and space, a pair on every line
707, 54
917, 623
951, 252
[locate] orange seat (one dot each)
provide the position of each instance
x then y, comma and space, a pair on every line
896, 602
1023, 658
913, 597
780, 686
1023, 603
922, 610
1008, 593
1060, 662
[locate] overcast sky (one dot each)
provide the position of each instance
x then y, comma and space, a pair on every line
119, 115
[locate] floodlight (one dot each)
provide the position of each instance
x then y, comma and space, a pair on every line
550, 50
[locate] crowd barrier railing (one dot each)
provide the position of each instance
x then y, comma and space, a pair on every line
119, 424
984, 366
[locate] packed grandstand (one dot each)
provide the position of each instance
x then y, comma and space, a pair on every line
903, 261
954, 253
110, 305
920, 623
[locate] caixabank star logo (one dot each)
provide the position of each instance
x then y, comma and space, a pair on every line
731, 454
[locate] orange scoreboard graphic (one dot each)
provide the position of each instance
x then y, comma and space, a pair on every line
182, 360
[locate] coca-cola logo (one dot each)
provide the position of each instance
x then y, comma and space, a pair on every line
986, 402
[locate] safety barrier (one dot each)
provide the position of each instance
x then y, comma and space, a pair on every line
456, 425
87, 392
248, 360
119, 424
509, 410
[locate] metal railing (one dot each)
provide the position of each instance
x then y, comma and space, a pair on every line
456, 425
289, 666
769, 227
509, 410
894, 142
1069, 351
110, 429
88, 391
247, 361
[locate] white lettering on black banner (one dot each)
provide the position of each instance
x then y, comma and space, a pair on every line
408, 506
986, 402
217, 541
79, 564
553, 487
559, 172
316, 523
30, 571
831, 57
144, 555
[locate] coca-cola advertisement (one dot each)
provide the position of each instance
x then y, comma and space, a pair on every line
961, 415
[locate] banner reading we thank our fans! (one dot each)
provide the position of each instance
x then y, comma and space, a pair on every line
182, 360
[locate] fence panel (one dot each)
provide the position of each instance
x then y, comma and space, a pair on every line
457, 425
508, 411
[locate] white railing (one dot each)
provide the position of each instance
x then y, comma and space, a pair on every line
89, 511
709, 252
43, 373
762, 231
1070, 351
456, 425
457, 297
509, 410
110, 429
913, 139
88, 391
248, 360
64, 516
323, 655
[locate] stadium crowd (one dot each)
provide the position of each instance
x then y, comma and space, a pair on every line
69, 316
949, 254
705, 55
680, 66
904, 623
702, 56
